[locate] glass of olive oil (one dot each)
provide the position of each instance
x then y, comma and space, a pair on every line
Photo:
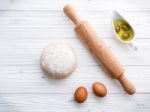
123, 30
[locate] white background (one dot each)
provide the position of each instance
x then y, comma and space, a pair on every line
27, 26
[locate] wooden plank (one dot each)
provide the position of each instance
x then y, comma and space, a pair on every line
13, 51
58, 17
65, 102
30, 79
34, 24
84, 4
38, 32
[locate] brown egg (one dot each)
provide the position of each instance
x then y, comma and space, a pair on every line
80, 94
99, 89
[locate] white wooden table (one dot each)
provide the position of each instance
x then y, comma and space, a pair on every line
27, 26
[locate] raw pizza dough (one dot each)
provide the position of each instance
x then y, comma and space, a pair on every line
58, 60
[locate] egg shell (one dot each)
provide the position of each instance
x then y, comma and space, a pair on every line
99, 89
80, 94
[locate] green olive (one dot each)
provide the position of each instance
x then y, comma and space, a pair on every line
126, 35
123, 30
117, 28
125, 27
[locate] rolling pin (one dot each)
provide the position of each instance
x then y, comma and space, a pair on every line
97, 46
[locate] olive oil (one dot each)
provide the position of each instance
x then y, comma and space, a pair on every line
123, 30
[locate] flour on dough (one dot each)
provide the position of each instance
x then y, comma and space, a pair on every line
58, 60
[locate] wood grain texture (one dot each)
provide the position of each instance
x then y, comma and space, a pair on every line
27, 26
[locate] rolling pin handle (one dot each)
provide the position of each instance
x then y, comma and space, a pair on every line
127, 85
72, 14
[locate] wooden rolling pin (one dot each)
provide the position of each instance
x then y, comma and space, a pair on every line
99, 49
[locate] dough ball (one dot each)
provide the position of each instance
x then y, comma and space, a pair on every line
58, 60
